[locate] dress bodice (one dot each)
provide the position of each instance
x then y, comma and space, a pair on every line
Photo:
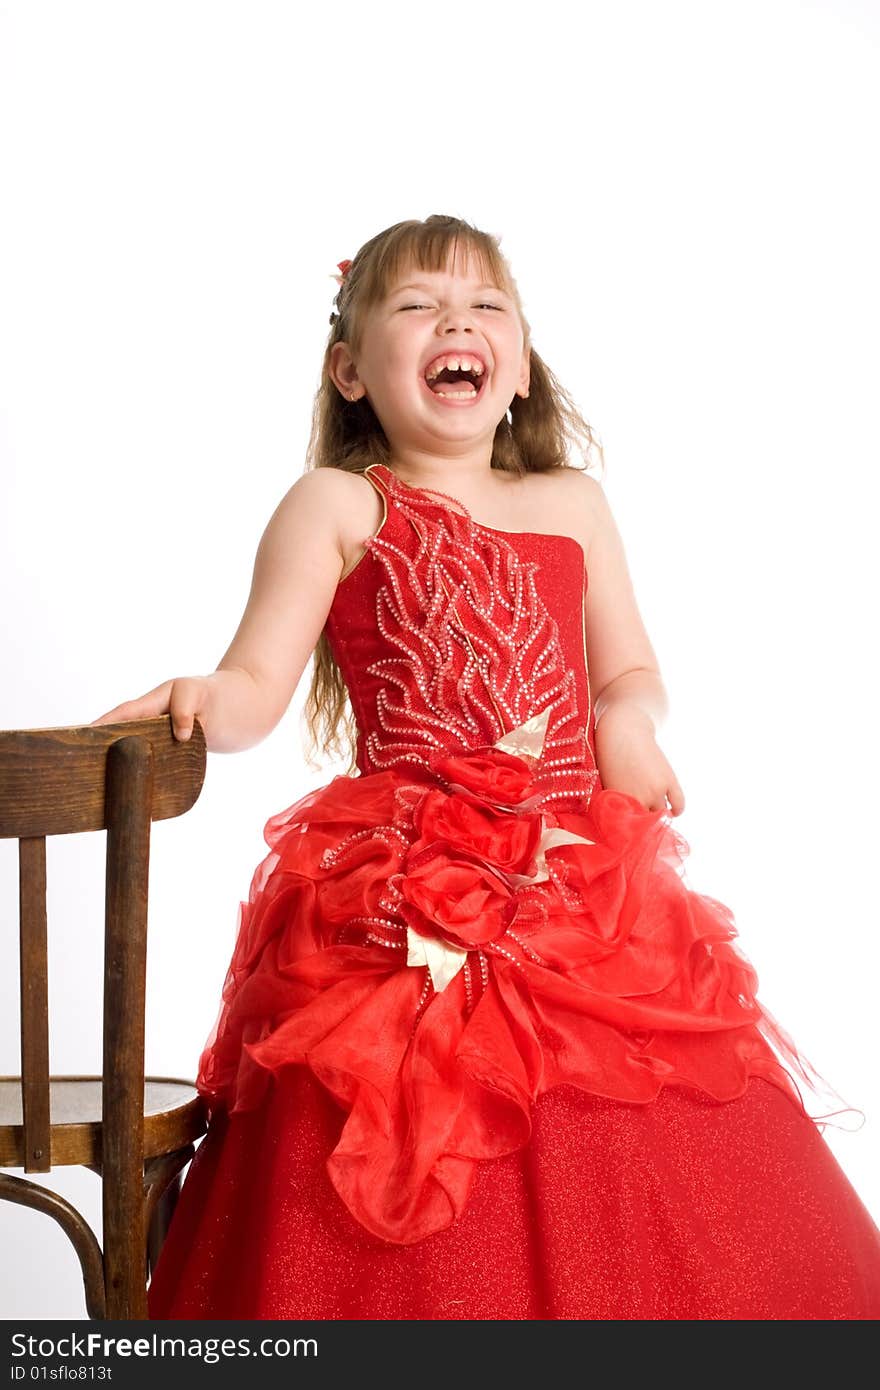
450, 634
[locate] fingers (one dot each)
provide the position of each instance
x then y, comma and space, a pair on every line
186, 702
107, 718
181, 707
131, 709
675, 796
163, 699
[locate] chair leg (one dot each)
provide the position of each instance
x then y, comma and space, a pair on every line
161, 1220
162, 1184
124, 1245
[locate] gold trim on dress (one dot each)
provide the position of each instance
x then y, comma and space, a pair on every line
584, 635
377, 487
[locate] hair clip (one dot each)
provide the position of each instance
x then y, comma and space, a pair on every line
344, 267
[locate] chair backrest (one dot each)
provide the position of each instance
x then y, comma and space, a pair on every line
60, 781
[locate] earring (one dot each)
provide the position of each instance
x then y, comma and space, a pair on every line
351, 395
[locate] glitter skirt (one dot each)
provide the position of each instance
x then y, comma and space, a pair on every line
685, 1208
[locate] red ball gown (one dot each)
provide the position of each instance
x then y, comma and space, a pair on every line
482, 1053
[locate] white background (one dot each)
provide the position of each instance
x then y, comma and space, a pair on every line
686, 195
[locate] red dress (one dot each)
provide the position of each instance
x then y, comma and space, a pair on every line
482, 1053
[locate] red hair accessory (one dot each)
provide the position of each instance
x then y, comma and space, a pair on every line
344, 267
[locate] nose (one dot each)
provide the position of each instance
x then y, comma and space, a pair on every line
455, 319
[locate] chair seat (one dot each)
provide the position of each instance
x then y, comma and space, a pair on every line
174, 1115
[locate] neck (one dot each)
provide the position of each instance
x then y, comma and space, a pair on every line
427, 470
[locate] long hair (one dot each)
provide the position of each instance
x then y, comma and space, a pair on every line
533, 437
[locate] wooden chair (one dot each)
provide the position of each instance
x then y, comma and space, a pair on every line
137, 1133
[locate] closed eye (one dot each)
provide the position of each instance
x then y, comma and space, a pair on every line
404, 307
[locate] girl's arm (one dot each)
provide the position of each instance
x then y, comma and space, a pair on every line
298, 565
629, 697
622, 662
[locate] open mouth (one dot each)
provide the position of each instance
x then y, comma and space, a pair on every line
455, 379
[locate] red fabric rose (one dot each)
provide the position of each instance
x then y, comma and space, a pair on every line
490, 774
454, 898
506, 840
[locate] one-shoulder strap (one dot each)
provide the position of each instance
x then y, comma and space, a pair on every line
378, 474
380, 485
412, 496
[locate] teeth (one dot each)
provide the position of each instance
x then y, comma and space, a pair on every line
456, 395
454, 364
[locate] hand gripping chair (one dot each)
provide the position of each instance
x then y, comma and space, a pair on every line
137, 1133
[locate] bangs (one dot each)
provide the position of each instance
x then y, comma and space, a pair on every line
431, 248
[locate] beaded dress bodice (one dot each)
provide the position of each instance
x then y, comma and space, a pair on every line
450, 634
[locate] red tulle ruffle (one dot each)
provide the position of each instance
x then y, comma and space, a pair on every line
441, 949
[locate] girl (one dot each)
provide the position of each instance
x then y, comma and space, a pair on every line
481, 1052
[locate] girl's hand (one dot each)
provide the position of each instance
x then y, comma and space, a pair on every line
630, 761
183, 698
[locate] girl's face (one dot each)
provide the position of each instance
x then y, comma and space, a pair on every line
428, 319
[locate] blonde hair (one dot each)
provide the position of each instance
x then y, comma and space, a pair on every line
533, 436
